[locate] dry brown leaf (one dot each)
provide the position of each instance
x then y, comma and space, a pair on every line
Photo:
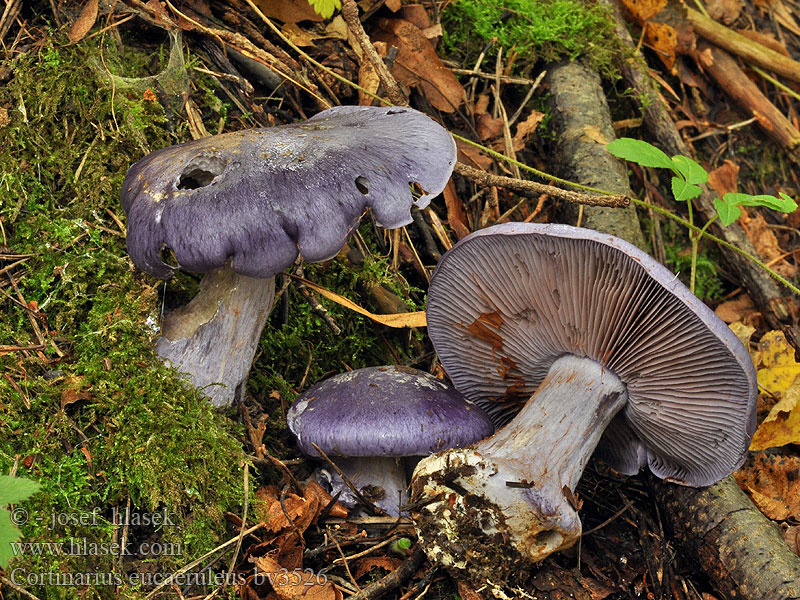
489, 128
526, 128
792, 537
73, 391
664, 40
473, 157
593, 134
456, 214
725, 11
314, 489
736, 309
781, 13
418, 65
725, 178
773, 482
416, 14
84, 22
294, 583
365, 565
642, 10
298, 36
288, 11
766, 243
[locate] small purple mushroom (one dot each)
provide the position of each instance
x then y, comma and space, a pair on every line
370, 418
605, 348
241, 206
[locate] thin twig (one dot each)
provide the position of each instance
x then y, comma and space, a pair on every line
393, 90
533, 187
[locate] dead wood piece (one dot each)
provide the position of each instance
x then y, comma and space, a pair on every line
583, 123
723, 68
763, 289
739, 548
744, 47
534, 188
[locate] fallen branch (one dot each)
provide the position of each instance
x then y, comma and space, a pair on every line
723, 68
739, 548
745, 47
763, 289
524, 186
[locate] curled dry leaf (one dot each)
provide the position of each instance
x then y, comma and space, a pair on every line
84, 22
725, 178
737, 309
765, 242
418, 65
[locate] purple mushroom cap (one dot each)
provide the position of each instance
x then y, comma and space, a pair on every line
509, 300
385, 411
262, 196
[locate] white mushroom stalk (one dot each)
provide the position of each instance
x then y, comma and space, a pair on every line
519, 484
381, 480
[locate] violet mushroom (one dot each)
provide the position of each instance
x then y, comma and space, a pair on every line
605, 348
240, 207
368, 419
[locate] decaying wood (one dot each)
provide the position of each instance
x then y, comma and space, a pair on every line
523, 186
743, 553
583, 124
726, 72
748, 49
764, 290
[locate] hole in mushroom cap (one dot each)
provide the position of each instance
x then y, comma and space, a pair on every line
200, 172
362, 183
417, 191
168, 257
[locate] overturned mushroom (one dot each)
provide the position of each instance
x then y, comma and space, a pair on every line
368, 420
241, 206
605, 347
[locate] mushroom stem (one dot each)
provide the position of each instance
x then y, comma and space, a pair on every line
517, 486
214, 337
380, 479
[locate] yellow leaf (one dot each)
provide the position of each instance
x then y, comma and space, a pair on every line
777, 356
414, 319
782, 425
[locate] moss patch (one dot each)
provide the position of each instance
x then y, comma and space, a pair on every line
87, 409
538, 30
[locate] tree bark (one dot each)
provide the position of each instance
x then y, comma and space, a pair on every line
583, 122
741, 551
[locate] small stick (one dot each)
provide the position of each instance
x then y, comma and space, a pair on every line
394, 579
364, 502
393, 90
532, 187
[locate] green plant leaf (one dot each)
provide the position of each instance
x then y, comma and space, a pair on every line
683, 190
15, 489
726, 209
783, 204
691, 170
639, 152
12, 490
325, 8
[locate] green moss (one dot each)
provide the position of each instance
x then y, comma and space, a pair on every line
93, 415
538, 30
